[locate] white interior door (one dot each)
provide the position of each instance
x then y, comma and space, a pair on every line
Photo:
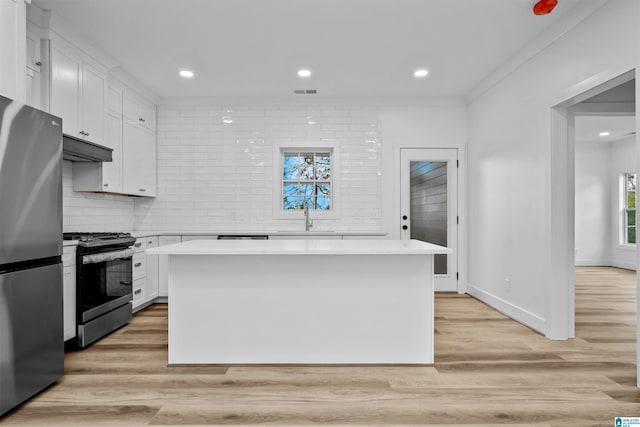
429, 208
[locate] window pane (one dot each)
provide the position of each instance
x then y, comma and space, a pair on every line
631, 199
306, 165
631, 235
323, 190
291, 166
323, 203
290, 189
290, 203
306, 189
323, 165
631, 181
631, 217
306, 201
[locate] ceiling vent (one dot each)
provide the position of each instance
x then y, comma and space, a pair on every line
305, 91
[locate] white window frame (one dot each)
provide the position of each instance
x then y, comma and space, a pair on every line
624, 209
278, 150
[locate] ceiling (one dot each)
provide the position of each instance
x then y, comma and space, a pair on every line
352, 47
588, 128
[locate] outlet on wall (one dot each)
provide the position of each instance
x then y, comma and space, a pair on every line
507, 285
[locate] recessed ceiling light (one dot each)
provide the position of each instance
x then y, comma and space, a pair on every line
187, 74
421, 73
304, 73
605, 133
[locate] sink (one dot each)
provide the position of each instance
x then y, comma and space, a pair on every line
305, 232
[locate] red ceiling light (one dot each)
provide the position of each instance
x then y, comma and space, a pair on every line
544, 7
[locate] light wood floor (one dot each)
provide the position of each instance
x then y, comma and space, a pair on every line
489, 370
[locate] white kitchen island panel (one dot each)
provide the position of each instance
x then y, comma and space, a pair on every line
345, 302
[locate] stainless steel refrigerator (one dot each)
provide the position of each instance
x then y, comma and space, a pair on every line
31, 329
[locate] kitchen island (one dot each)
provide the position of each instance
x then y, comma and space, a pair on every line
300, 301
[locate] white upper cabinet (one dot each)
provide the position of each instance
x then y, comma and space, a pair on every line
139, 147
105, 176
112, 171
129, 133
78, 93
140, 112
93, 102
34, 69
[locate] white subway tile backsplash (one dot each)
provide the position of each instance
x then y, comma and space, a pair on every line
93, 212
215, 175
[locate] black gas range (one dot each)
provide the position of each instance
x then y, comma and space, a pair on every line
104, 283
90, 240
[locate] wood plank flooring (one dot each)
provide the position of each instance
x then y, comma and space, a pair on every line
489, 370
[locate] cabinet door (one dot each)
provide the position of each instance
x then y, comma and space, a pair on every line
163, 265
34, 74
147, 178
114, 100
112, 171
69, 302
94, 90
131, 154
148, 117
65, 89
139, 160
152, 269
69, 291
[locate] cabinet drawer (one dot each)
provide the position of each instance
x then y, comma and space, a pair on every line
139, 265
143, 243
149, 241
139, 291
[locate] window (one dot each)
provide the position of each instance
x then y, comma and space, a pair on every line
307, 180
629, 211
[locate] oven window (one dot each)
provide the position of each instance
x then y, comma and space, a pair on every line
106, 281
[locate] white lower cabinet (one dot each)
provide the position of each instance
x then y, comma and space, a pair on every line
145, 282
163, 265
69, 292
139, 286
151, 288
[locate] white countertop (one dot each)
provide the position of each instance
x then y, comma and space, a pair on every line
258, 233
300, 247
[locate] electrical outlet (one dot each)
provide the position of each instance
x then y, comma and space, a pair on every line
507, 285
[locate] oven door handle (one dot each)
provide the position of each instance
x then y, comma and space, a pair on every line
107, 256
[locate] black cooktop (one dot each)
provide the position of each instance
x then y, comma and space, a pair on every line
99, 238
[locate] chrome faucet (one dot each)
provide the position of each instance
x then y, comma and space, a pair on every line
308, 223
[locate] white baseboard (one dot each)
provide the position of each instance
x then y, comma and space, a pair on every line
516, 313
625, 265
605, 263
592, 262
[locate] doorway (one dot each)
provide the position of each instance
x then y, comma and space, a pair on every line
429, 206
561, 214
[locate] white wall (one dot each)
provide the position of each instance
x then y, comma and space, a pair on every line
623, 160
435, 123
213, 176
593, 202
217, 176
510, 162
